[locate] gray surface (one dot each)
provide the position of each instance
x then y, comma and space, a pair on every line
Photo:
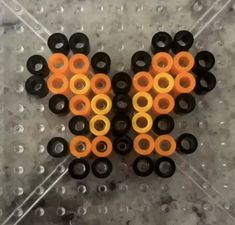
202, 190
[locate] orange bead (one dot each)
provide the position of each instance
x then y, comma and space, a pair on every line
100, 84
142, 81
58, 83
102, 146
80, 105
163, 103
162, 62
79, 63
183, 62
165, 145
80, 146
184, 83
58, 63
143, 144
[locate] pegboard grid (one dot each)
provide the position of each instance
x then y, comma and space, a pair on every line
25, 162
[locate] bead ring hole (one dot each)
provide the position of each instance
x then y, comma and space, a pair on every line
101, 146
186, 144
183, 61
79, 44
143, 165
78, 63
122, 146
144, 144
122, 104
37, 66
79, 168
101, 104
100, 84
101, 168
36, 86
101, 64
140, 61
142, 101
165, 167
185, 82
142, 122
182, 41
121, 84
183, 104
163, 82
202, 63
162, 62
58, 147
80, 146
162, 124
57, 83
165, 145
161, 43
203, 83
59, 63
79, 126
79, 105
80, 84
163, 103
58, 43
120, 125
143, 82
100, 125
60, 105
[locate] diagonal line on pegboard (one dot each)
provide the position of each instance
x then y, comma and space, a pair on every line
43, 33
32, 199
210, 19
27, 18
203, 184
197, 22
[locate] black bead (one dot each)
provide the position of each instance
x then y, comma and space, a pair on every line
140, 61
204, 61
122, 103
57, 147
187, 143
163, 124
36, 85
184, 103
145, 169
161, 42
101, 62
170, 164
183, 41
58, 43
205, 83
123, 145
79, 125
76, 165
120, 124
59, 104
106, 167
79, 43
121, 83
37, 65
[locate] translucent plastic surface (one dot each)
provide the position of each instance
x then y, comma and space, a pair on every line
36, 189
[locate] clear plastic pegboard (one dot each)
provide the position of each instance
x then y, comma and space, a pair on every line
36, 189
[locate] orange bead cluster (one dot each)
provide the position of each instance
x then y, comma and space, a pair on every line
154, 94
72, 77
139, 103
